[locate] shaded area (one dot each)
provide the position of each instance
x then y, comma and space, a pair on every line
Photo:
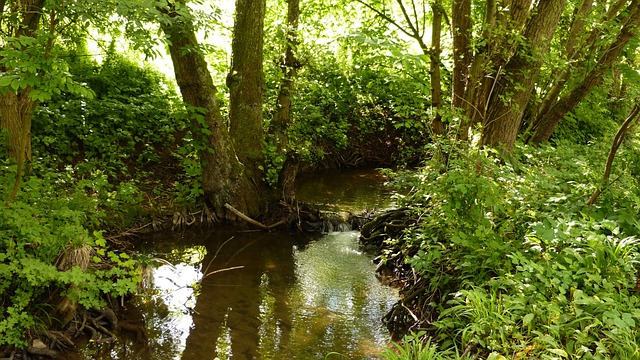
352, 190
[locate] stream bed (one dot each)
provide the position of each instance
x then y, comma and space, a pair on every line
228, 294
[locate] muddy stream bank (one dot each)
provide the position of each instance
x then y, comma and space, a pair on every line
227, 294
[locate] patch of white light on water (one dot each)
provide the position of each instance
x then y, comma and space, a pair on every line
174, 286
337, 292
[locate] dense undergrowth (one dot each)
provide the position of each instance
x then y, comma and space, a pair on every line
51, 250
510, 261
100, 163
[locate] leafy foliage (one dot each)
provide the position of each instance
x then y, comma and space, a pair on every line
45, 221
522, 266
360, 112
127, 121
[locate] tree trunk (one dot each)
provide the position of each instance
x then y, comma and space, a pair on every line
16, 107
575, 39
513, 90
282, 116
246, 87
577, 28
15, 117
503, 19
223, 180
472, 107
461, 24
547, 122
437, 126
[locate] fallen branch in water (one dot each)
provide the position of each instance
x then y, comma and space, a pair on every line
251, 221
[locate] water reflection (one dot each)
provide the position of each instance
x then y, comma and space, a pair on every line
256, 296
234, 304
353, 190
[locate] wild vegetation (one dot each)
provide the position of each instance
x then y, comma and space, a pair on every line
518, 236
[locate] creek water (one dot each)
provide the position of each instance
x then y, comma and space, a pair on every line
227, 294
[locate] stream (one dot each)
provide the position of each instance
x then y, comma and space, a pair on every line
228, 294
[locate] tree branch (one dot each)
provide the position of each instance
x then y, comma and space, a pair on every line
617, 141
386, 18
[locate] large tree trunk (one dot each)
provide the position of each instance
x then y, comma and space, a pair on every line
282, 116
223, 180
513, 90
246, 87
504, 18
546, 122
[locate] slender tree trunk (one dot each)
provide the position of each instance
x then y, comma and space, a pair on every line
223, 180
15, 117
576, 39
513, 91
547, 122
573, 39
437, 126
461, 24
473, 105
16, 107
246, 87
617, 141
282, 117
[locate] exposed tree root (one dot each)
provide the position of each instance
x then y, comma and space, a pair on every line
415, 310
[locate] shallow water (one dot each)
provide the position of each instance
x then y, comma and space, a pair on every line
353, 190
224, 294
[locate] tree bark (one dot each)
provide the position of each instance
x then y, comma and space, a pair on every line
437, 126
15, 117
573, 39
513, 90
503, 19
461, 24
476, 81
246, 86
577, 60
547, 122
223, 179
16, 106
617, 141
282, 116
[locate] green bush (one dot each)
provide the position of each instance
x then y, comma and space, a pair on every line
372, 110
129, 120
44, 234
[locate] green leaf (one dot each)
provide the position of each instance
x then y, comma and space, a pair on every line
559, 352
6, 80
527, 319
